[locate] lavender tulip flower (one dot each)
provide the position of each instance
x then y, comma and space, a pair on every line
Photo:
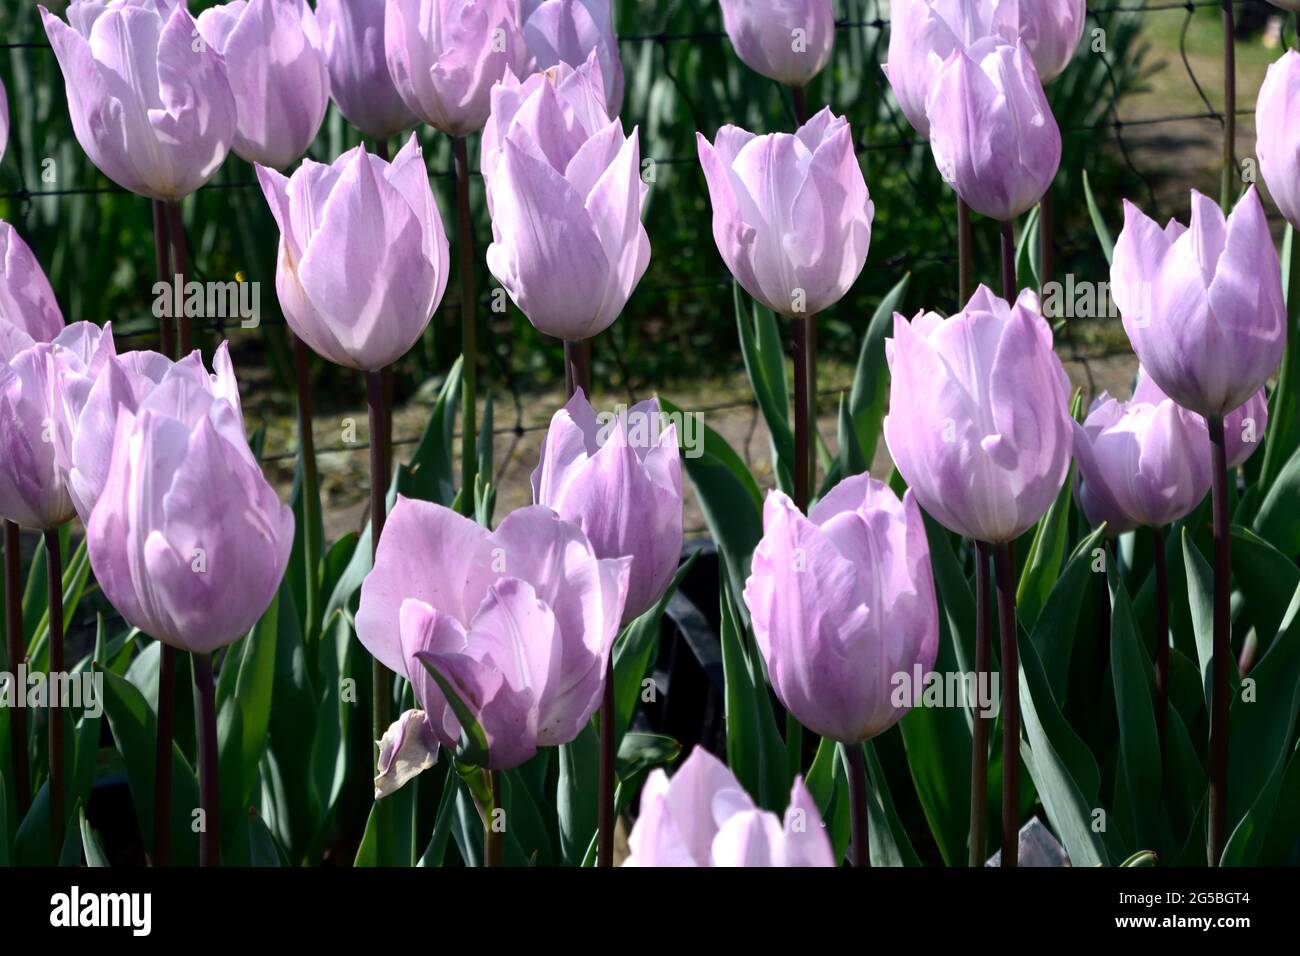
993, 136
924, 34
444, 56
568, 243
519, 621
842, 602
132, 382
29, 313
1142, 463
568, 32
619, 478
785, 40
4, 120
1052, 30
32, 489
188, 540
979, 422
791, 213
353, 34
276, 65
1203, 307
1245, 427
1277, 124
702, 816
150, 107
363, 257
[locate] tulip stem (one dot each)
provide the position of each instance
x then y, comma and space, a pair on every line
205, 721
1009, 288
1222, 643
180, 263
165, 723
16, 654
965, 255
805, 446
311, 514
1229, 104
493, 846
979, 765
800, 106
1010, 705
860, 842
1162, 636
54, 567
1046, 257
468, 330
380, 683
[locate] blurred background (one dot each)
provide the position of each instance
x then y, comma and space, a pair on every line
1140, 108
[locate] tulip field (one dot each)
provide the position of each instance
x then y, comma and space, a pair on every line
970, 610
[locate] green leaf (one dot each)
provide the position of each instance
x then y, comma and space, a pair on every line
889, 843
1278, 517
640, 752
849, 459
396, 813
429, 475
1098, 222
828, 785
578, 794
4, 822
134, 731
760, 347
1043, 563
1053, 631
436, 851
1027, 251
95, 855
244, 695
1283, 437
1200, 597
474, 745
730, 500
1267, 579
870, 390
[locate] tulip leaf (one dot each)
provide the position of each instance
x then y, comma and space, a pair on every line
474, 745
637, 647
730, 500
1200, 598
90, 842
1283, 438
436, 851
954, 594
1278, 518
760, 347
755, 751
1139, 745
577, 795
1053, 630
4, 822
395, 814
1043, 563
1098, 221
828, 785
1267, 579
870, 391
1062, 769
640, 752
1027, 252
75, 574
849, 460
429, 473
1282, 844
885, 832
134, 730
1247, 840
1262, 719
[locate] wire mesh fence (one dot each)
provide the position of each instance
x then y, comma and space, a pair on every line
682, 78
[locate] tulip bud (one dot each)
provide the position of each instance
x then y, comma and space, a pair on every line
1142, 463
29, 312
566, 201
519, 622
791, 213
444, 56
788, 41
991, 131
151, 107
703, 817
363, 256
32, 490
1203, 307
841, 602
1277, 125
568, 32
188, 540
979, 423
276, 66
621, 482
353, 34
924, 34
1052, 30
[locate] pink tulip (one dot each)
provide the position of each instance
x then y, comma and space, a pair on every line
275, 62
788, 41
701, 816
568, 32
1277, 126
151, 107
363, 256
621, 482
991, 130
1202, 306
1052, 30
519, 622
444, 56
791, 213
353, 34
29, 313
979, 421
4, 121
842, 602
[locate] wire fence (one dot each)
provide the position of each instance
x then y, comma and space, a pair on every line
872, 30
